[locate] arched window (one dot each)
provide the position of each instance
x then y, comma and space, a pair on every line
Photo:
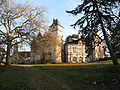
74, 59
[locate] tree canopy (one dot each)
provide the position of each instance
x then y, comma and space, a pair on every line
115, 40
19, 23
100, 14
68, 38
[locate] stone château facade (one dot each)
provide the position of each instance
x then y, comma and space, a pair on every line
49, 48
76, 51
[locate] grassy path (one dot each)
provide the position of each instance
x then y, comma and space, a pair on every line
41, 80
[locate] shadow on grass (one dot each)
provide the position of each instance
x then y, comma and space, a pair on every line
88, 77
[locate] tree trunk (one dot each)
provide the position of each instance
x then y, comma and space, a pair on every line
114, 60
8, 56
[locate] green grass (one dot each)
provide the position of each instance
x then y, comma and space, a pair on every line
93, 76
14, 79
88, 77
106, 62
90, 63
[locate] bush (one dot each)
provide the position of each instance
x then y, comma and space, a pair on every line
53, 62
104, 59
21, 63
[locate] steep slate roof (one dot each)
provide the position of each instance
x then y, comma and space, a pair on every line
56, 22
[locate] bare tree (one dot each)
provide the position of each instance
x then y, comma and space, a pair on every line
43, 45
19, 23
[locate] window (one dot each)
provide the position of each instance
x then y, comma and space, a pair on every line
74, 49
75, 59
80, 59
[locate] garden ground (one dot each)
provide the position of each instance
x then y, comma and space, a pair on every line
89, 76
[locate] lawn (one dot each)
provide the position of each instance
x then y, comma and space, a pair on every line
91, 76
88, 77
